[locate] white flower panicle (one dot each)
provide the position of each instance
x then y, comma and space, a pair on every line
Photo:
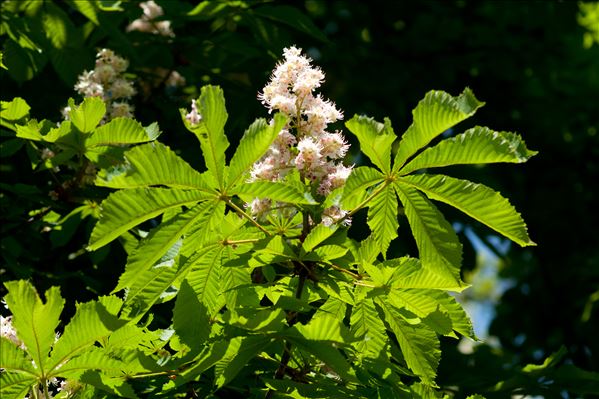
107, 82
318, 154
146, 23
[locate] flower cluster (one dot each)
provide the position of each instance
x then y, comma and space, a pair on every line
107, 81
146, 22
313, 151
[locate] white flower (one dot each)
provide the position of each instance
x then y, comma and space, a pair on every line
121, 88
121, 109
335, 179
309, 154
8, 331
146, 22
333, 145
259, 207
193, 116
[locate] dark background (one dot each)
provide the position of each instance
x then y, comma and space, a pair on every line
526, 59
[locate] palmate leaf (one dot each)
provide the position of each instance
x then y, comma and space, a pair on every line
210, 130
437, 112
254, 143
92, 321
419, 344
366, 325
121, 131
477, 201
125, 209
159, 241
86, 116
438, 245
34, 320
375, 139
475, 146
382, 218
275, 191
153, 164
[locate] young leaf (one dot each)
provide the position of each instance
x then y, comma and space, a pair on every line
475, 146
437, 112
34, 320
276, 191
439, 247
254, 143
125, 209
210, 130
477, 201
382, 218
419, 345
158, 243
86, 116
153, 164
120, 131
375, 139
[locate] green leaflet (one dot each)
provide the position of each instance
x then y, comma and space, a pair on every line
34, 320
86, 116
438, 245
382, 218
205, 275
155, 284
153, 164
13, 358
358, 182
375, 139
92, 321
317, 235
367, 326
475, 146
408, 272
327, 323
125, 209
419, 345
14, 110
153, 247
477, 201
239, 352
121, 131
210, 131
15, 385
329, 354
437, 112
275, 191
254, 143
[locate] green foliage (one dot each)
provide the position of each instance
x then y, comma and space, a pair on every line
237, 275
